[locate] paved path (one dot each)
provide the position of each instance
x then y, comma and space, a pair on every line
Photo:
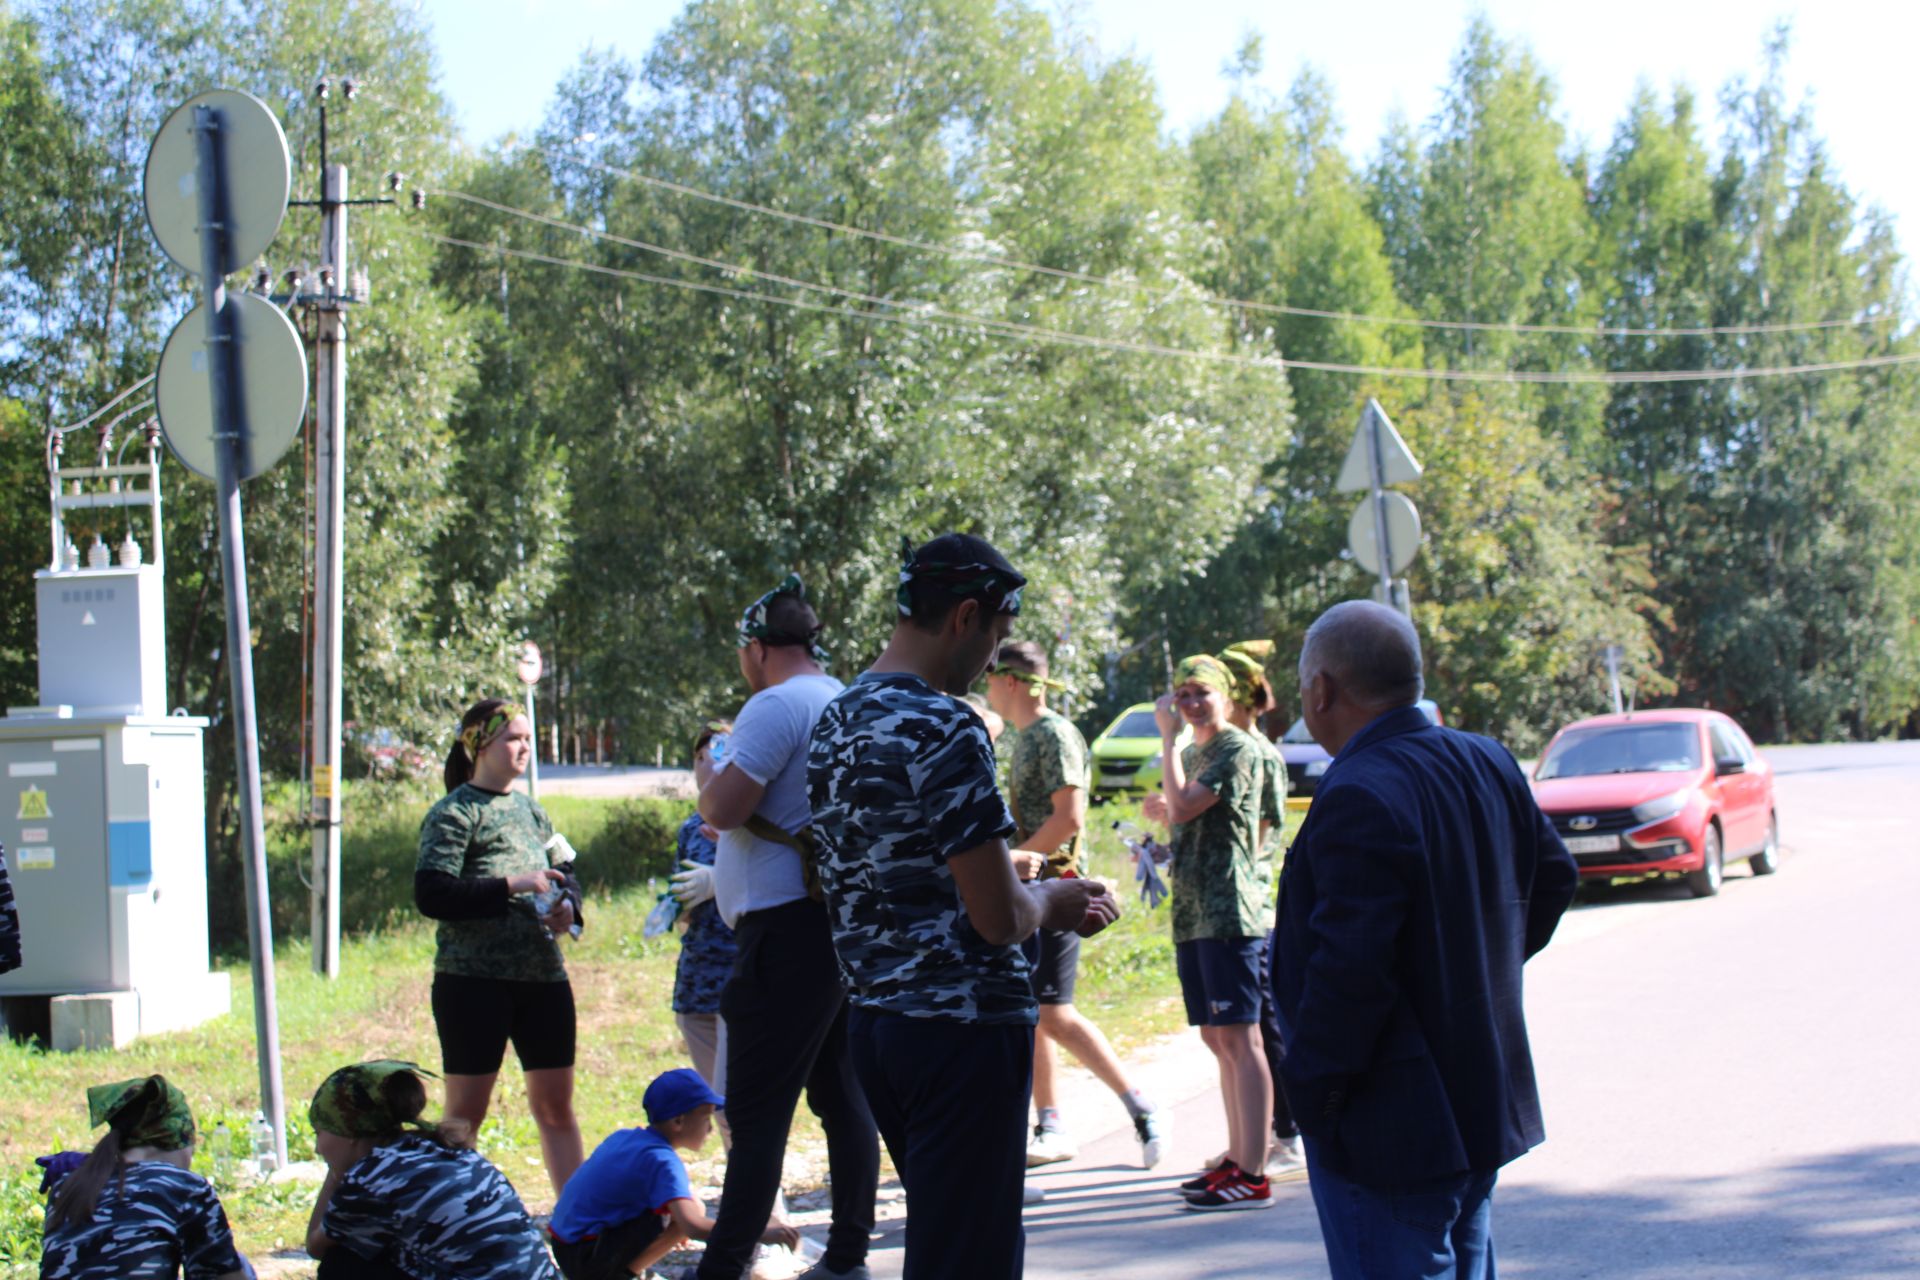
1728, 1083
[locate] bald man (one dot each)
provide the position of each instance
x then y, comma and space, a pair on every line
1420, 883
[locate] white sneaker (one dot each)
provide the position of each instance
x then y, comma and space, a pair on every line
1030, 1194
1286, 1162
1049, 1146
1150, 1127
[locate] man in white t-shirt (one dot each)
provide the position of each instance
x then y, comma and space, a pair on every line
785, 1002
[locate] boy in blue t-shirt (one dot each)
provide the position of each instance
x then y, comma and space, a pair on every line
630, 1204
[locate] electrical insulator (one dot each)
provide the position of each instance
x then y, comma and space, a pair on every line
129, 552
361, 288
322, 89
419, 198
98, 557
348, 88
71, 557
394, 179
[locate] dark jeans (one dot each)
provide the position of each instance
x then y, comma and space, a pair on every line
342, 1263
609, 1255
787, 1031
951, 1101
1437, 1229
1283, 1125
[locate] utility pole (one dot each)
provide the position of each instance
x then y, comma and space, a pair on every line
328, 296
329, 561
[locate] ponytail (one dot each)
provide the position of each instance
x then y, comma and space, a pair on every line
458, 771
78, 1194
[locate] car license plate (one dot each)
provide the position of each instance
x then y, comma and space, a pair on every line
1591, 844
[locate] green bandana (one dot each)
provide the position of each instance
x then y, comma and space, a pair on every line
147, 1112
1205, 669
478, 737
349, 1102
1001, 589
1247, 662
753, 623
1029, 678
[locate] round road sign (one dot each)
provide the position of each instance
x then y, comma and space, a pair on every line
272, 386
529, 667
259, 177
1403, 532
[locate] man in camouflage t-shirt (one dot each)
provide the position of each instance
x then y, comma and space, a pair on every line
1213, 792
927, 914
1048, 779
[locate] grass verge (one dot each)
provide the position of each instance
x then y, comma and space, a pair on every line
378, 1007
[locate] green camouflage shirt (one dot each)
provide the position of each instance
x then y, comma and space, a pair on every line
1047, 755
1273, 805
476, 834
1219, 890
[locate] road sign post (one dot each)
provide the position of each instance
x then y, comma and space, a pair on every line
231, 458
1384, 533
529, 668
209, 229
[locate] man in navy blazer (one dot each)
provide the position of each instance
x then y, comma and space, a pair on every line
1422, 879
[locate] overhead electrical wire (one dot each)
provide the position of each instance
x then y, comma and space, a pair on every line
1242, 304
104, 409
927, 315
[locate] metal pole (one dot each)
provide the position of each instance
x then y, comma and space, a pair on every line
533, 725
1382, 538
229, 419
330, 510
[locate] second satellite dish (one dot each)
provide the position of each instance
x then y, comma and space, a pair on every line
270, 378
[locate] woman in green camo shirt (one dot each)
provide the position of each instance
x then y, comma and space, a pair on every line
484, 874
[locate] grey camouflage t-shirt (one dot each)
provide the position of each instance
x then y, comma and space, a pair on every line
1219, 890
1047, 755
901, 779
477, 834
154, 1222
436, 1213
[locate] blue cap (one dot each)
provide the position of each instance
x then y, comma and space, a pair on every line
674, 1093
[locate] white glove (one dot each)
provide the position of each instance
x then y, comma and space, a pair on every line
692, 884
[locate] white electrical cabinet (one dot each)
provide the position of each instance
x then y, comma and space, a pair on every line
103, 794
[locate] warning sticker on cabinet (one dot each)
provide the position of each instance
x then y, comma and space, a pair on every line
36, 857
34, 835
33, 804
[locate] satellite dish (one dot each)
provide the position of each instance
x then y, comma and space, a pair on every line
258, 178
270, 381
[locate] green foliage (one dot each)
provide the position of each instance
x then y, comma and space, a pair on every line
616, 467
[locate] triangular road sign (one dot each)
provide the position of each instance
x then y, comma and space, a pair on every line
1396, 460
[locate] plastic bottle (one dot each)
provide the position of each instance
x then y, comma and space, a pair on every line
265, 1161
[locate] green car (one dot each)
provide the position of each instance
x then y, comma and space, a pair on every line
1126, 757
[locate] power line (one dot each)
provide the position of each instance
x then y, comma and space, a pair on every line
104, 409
934, 317
1243, 304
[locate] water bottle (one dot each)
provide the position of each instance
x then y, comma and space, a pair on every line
718, 748
660, 920
265, 1160
222, 1154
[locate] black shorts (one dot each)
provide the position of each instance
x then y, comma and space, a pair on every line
1055, 964
476, 1017
609, 1255
1220, 980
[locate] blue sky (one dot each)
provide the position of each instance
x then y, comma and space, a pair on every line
1852, 60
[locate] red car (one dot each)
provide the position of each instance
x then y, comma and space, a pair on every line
1660, 793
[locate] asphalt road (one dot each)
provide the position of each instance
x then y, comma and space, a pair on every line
1728, 1083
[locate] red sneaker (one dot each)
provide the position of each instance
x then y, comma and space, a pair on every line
1238, 1190
1193, 1186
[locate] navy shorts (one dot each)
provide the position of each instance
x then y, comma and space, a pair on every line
1056, 966
1220, 980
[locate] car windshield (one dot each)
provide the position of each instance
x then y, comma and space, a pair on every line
1135, 724
1623, 748
1297, 734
